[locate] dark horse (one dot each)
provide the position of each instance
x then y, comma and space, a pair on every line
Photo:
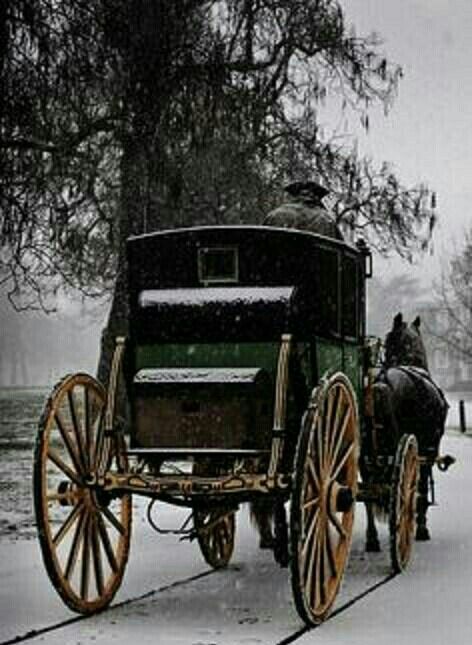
406, 400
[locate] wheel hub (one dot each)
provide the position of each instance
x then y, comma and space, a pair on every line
67, 493
341, 498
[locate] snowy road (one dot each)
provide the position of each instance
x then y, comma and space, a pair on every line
251, 601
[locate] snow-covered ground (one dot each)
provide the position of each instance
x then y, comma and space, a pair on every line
251, 601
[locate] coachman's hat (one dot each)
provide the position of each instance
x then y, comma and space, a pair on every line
309, 190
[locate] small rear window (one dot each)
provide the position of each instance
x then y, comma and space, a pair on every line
218, 265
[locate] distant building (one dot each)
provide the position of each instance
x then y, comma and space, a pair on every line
451, 367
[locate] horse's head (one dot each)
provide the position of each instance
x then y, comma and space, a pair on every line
404, 345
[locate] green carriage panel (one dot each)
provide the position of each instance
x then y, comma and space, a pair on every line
346, 357
208, 355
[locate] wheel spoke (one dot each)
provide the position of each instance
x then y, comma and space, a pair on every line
76, 542
95, 447
327, 427
69, 445
85, 573
308, 563
314, 475
57, 460
76, 426
339, 398
311, 529
326, 566
311, 502
339, 435
342, 461
330, 553
106, 543
334, 519
97, 555
102, 449
67, 525
317, 573
113, 520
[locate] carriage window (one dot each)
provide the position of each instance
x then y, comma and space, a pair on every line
218, 265
350, 297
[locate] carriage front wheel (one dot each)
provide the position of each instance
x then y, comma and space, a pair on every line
322, 505
84, 534
402, 509
215, 532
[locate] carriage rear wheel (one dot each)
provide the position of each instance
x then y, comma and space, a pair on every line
84, 534
322, 505
215, 533
402, 510
215, 527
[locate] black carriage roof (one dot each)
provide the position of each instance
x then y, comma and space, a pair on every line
288, 233
255, 279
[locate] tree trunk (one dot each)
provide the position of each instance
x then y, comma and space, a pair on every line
131, 218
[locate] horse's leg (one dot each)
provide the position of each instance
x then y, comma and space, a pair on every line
261, 512
281, 553
422, 532
372, 544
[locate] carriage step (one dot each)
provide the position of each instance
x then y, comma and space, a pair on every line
196, 452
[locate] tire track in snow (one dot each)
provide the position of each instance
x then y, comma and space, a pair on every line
34, 633
352, 601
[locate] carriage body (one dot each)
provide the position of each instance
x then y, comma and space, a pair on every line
208, 310
246, 376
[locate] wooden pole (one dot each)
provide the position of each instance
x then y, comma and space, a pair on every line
462, 416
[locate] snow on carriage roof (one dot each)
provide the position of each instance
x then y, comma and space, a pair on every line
215, 295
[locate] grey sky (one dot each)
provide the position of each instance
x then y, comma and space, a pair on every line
428, 132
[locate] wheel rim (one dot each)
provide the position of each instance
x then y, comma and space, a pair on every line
403, 502
322, 510
84, 535
215, 536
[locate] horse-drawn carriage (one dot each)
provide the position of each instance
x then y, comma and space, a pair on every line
249, 378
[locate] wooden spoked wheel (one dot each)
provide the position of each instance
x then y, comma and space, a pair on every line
215, 533
402, 510
84, 533
322, 505
215, 527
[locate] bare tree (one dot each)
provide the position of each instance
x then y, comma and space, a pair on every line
119, 117
450, 323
